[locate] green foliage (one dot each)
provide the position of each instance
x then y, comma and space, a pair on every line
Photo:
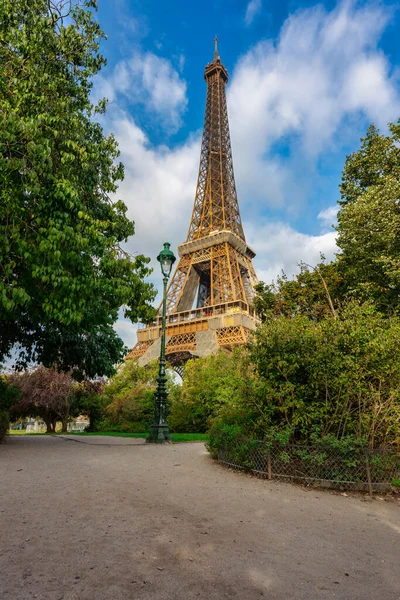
89, 401
338, 377
377, 160
64, 275
332, 383
209, 385
223, 436
315, 292
9, 393
183, 416
9, 396
129, 398
369, 220
4, 424
87, 354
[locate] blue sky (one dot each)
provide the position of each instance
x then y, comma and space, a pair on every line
306, 79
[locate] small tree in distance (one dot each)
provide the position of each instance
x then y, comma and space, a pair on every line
46, 393
90, 400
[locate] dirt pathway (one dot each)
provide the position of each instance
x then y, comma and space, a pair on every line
135, 522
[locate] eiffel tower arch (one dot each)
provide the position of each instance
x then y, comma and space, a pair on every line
210, 297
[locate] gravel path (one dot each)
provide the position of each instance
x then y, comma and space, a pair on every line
85, 521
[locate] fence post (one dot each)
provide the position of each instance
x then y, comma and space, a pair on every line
269, 465
368, 473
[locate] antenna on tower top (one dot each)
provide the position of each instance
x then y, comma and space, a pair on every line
216, 40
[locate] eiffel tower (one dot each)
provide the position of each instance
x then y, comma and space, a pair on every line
209, 299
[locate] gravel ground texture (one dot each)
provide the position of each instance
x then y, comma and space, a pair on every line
98, 520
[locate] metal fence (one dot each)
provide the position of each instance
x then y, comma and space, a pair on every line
357, 469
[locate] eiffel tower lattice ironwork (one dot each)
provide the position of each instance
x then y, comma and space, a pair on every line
209, 300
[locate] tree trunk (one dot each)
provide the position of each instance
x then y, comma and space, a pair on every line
47, 420
64, 427
54, 424
92, 422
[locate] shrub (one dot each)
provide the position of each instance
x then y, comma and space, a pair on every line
222, 436
210, 386
339, 377
134, 426
186, 417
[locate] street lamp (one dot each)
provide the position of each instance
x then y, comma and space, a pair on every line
159, 432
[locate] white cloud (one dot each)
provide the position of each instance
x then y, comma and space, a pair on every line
151, 81
324, 68
253, 8
127, 331
158, 188
328, 217
281, 248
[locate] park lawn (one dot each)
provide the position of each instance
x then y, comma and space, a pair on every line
176, 437
21, 432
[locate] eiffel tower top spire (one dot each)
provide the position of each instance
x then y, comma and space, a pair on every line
216, 205
216, 55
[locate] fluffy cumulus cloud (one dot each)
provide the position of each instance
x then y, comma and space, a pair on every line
127, 331
282, 248
158, 188
324, 68
324, 71
150, 81
252, 10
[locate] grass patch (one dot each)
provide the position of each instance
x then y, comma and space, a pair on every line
22, 432
176, 437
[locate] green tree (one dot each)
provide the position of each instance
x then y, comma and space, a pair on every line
129, 397
315, 292
63, 273
86, 354
209, 385
377, 159
90, 401
9, 397
369, 220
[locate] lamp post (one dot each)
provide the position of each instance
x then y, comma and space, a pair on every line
159, 433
